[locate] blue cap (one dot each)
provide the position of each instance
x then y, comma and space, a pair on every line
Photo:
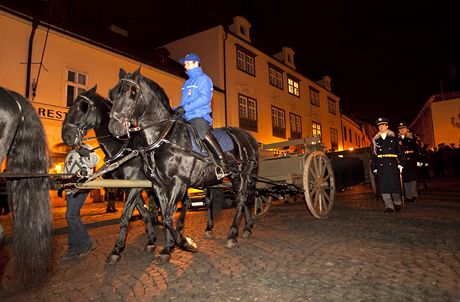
190, 57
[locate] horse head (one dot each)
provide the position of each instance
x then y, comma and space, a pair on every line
137, 100
82, 116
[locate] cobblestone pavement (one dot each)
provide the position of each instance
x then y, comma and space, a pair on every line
357, 254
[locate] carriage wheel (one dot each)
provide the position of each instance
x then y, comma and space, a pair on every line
319, 184
262, 205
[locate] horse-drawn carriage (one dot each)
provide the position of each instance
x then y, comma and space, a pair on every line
163, 159
283, 174
295, 167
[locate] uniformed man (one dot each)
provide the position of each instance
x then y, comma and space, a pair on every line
387, 161
410, 148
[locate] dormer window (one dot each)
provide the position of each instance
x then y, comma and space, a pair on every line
241, 27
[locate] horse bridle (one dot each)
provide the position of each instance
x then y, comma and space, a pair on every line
82, 129
124, 119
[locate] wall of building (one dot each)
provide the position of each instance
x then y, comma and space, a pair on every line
438, 121
446, 121
358, 138
236, 82
423, 126
64, 52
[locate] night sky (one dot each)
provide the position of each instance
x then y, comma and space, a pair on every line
385, 58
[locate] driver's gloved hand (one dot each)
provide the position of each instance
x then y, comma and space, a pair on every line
179, 111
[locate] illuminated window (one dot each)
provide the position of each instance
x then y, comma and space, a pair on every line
275, 76
314, 96
293, 85
344, 132
331, 103
278, 122
245, 60
316, 129
247, 112
77, 83
334, 139
296, 125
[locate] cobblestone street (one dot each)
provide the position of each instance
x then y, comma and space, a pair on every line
357, 254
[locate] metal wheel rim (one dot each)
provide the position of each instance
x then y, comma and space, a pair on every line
319, 184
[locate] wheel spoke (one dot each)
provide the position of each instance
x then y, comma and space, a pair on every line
327, 197
323, 166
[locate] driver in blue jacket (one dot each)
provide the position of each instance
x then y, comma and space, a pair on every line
195, 104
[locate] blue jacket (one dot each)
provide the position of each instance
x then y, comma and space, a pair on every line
197, 95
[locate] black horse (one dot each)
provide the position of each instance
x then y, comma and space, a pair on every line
23, 142
170, 158
91, 111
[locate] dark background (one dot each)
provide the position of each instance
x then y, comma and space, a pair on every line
385, 58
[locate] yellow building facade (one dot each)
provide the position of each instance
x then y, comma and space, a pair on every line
438, 122
70, 64
264, 94
354, 135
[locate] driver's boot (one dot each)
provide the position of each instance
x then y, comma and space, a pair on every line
218, 153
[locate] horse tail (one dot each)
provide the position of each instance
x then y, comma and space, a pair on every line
29, 197
249, 152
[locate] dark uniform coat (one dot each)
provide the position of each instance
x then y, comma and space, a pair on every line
412, 153
386, 155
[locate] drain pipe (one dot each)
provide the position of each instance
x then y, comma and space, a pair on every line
225, 80
35, 24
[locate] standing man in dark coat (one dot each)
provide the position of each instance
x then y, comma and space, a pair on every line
410, 148
387, 161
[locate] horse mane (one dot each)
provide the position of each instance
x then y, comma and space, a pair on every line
29, 197
103, 105
159, 91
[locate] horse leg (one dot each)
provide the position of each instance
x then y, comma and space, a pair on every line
153, 208
240, 187
151, 238
168, 206
247, 231
208, 233
128, 209
181, 219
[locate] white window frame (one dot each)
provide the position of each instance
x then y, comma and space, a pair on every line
316, 129
275, 76
314, 97
245, 61
77, 86
293, 86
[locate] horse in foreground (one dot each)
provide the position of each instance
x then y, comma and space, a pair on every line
91, 111
172, 160
23, 142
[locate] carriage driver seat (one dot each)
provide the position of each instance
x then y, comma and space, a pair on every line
218, 154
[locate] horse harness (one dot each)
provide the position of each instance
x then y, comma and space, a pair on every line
118, 159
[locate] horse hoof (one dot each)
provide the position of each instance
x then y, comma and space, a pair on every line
112, 259
164, 258
246, 234
208, 234
149, 248
231, 243
190, 246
